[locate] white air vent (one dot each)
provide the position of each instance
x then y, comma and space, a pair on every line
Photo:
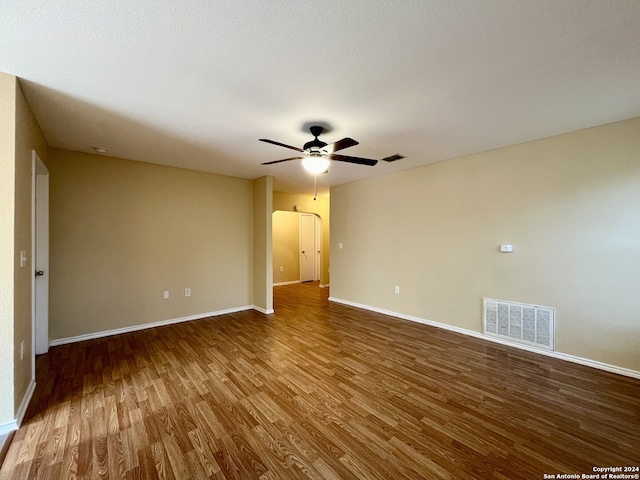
520, 323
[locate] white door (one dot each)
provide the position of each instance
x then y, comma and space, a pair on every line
40, 246
307, 247
318, 240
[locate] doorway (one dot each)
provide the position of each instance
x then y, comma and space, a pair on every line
297, 247
40, 255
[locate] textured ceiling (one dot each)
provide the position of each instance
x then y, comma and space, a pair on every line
196, 83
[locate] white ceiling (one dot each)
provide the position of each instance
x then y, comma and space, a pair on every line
195, 83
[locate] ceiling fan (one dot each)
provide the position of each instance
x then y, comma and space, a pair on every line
316, 154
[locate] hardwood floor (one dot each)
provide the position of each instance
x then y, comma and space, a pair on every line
317, 390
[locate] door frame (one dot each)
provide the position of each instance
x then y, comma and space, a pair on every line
40, 256
300, 246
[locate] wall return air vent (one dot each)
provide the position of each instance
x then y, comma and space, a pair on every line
521, 323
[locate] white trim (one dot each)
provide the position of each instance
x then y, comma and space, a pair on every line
25, 401
135, 328
5, 442
33, 267
279, 284
8, 427
39, 258
262, 310
22, 410
562, 356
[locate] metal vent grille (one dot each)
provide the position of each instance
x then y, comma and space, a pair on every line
520, 323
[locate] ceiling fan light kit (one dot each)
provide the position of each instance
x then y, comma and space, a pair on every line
315, 164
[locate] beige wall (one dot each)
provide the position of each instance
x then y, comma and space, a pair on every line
29, 137
306, 204
262, 244
8, 86
569, 204
286, 247
19, 135
122, 232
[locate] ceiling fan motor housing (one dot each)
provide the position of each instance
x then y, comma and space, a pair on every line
315, 131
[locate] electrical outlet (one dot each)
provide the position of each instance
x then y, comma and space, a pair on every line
396, 290
165, 294
282, 269
187, 292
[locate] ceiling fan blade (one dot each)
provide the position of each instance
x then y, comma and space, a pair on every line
358, 160
281, 144
340, 144
283, 160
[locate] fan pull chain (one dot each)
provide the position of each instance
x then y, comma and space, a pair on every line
315, 187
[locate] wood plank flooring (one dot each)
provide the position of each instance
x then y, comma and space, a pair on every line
317, 390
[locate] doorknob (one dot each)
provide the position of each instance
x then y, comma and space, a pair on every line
39, 273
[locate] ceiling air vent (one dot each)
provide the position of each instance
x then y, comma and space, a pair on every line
532, 325
393, 158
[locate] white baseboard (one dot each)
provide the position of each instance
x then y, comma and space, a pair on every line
5, 442
262, 310
135, 328
25, 401
8, 427
279, 284
562, 356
